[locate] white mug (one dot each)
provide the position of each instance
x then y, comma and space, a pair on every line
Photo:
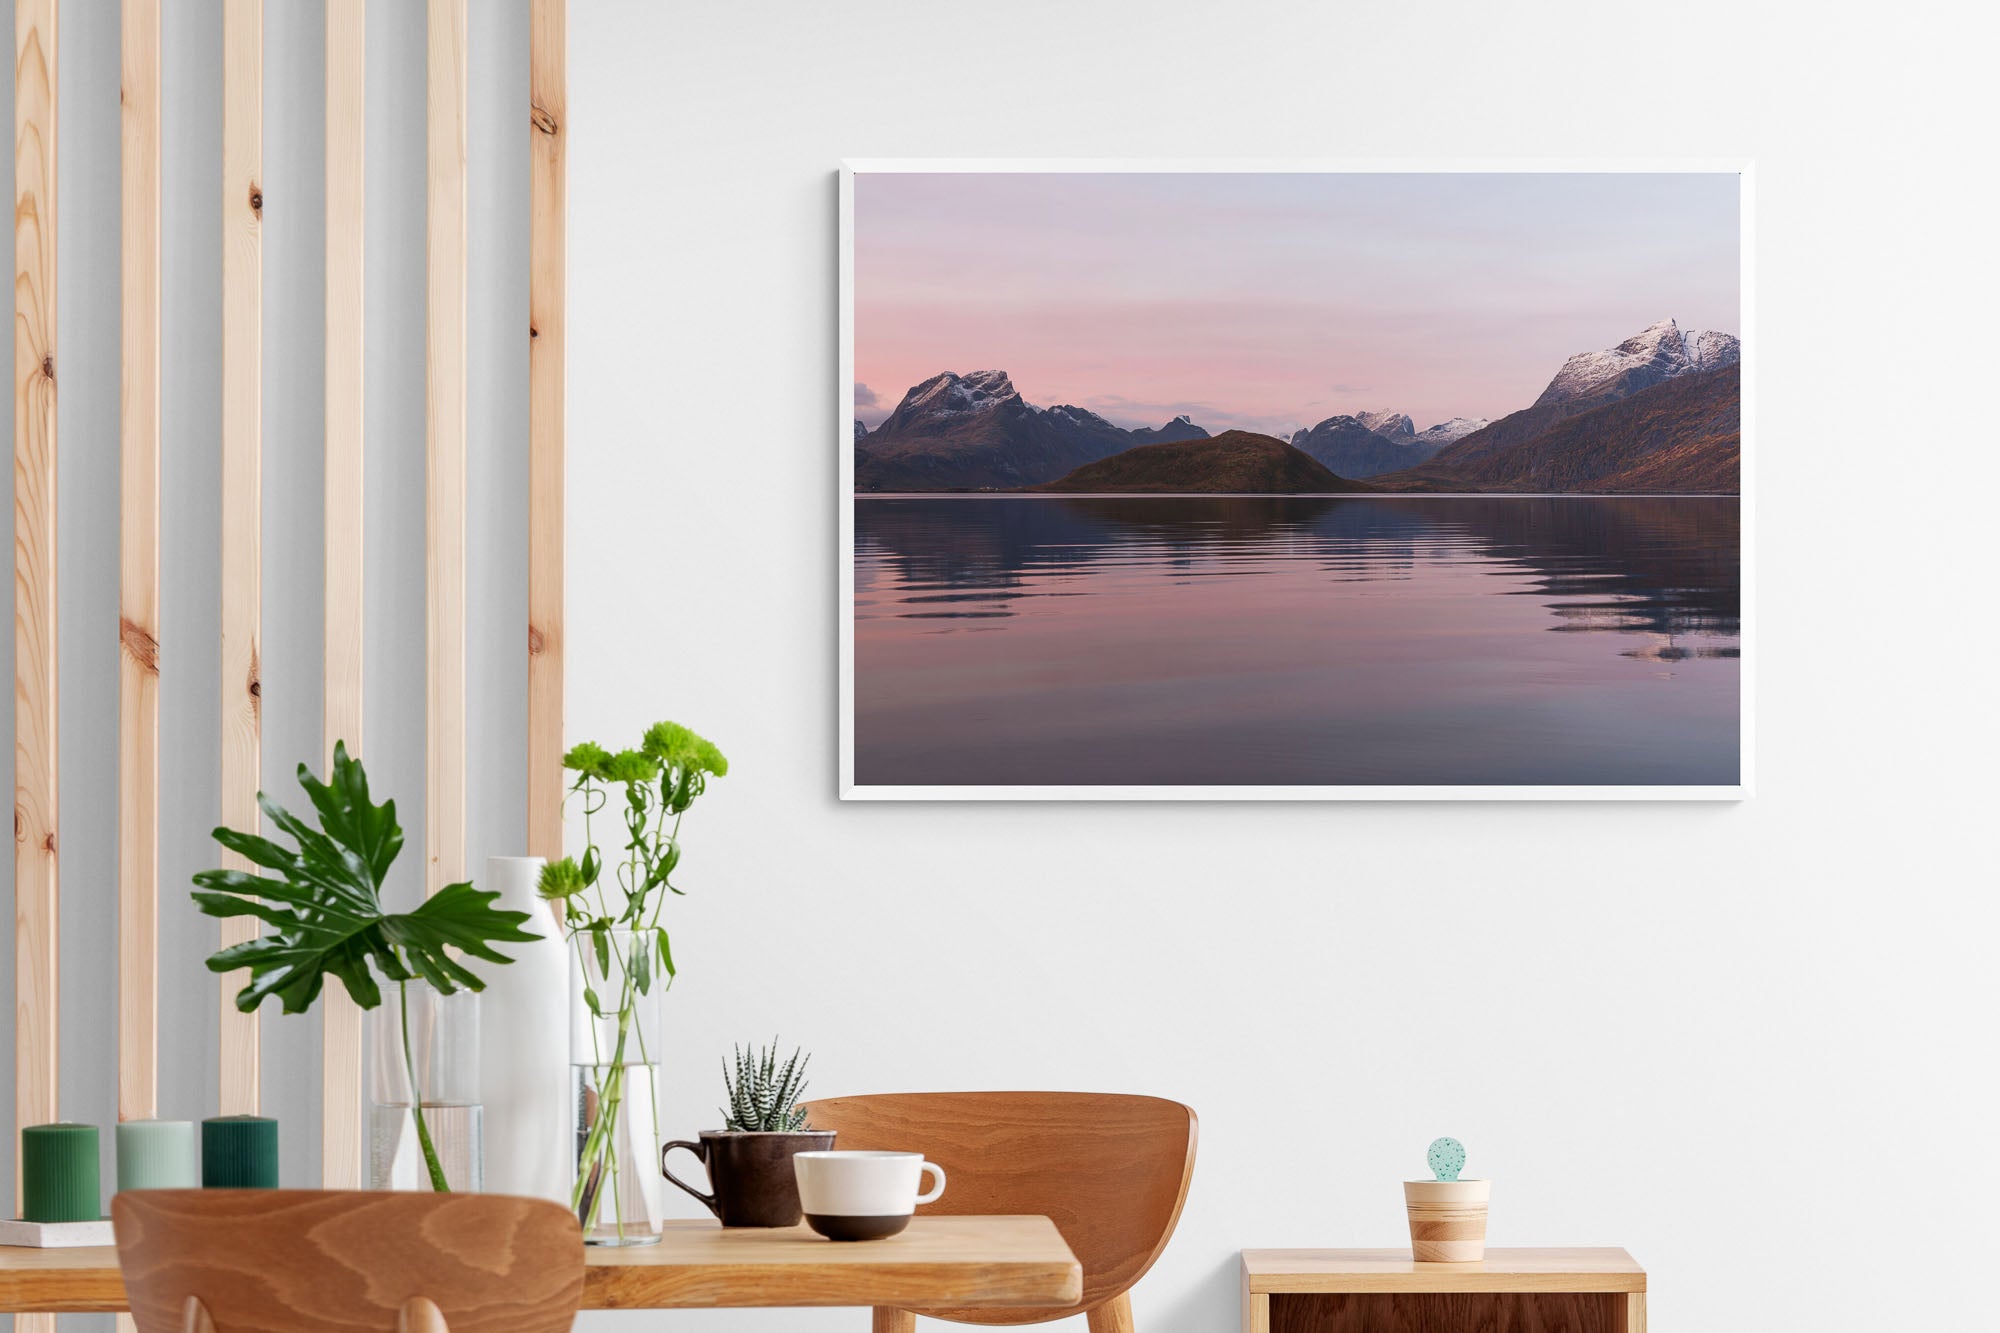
862, 1195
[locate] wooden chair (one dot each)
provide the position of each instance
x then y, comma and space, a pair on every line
1112, 1172
327, 1261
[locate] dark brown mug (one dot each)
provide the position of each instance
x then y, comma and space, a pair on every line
750, 1173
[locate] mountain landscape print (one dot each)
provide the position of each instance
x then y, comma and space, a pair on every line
1293, 483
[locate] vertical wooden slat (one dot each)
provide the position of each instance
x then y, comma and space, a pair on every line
445, 389
548, 73
139, 561
342, 1138
242, 515
35, 917
36, 1042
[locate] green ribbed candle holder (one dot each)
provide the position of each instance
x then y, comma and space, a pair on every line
59, 1174
239, 1152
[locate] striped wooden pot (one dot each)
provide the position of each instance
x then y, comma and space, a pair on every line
1447, 1220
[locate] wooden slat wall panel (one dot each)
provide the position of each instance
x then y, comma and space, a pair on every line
242, 472
446, 382
343, 1138
36, 1034
139, 562
548, 72
445, 389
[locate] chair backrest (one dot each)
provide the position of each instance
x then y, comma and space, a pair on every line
334, 1261
1111, 1171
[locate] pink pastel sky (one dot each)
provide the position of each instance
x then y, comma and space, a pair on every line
1270, 301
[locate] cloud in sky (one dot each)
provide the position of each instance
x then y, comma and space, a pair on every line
863, 395
1259, 299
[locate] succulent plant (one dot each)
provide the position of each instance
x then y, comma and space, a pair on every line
1447, 1157
763, 1095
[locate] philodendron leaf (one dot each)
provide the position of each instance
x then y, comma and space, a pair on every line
323, 911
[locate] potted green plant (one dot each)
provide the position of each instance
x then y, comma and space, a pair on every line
749, 1160
1447, 1214
323, 917
621, 963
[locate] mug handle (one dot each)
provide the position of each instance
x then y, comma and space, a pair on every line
937, 1189
707, 1200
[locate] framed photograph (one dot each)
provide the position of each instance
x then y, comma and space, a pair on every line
1294, 480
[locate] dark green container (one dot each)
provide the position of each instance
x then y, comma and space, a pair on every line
239, 1152
59, 1174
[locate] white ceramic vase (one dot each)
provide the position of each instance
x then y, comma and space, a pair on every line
524, 1031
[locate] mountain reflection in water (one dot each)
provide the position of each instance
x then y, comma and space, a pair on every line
1288, 640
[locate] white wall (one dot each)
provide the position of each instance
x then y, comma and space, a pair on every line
1752, 1043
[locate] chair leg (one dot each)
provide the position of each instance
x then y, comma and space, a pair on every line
420, 1315
1114, 1316
889, 1320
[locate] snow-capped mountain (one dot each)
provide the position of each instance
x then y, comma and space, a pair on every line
859, 430
1181, 427
1645, 359
1081, 418
1388, 424
1347, 445
975, 430
1709, 349
946, 396
1450, 432
1344, 443
1658, 413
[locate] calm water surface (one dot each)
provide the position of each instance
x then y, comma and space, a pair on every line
1296, 640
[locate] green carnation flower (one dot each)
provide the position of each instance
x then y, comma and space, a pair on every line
631, 766
588, 758
677, 747
561, 879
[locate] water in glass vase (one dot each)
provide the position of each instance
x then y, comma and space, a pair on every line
436, 1048
618, 1189
396, 1155
614, 1053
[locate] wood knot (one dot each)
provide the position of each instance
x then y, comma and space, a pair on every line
256, 686
544, 120
533, 333
256, 199
140, 646
534, 642
49, 367
49, 844
18, 826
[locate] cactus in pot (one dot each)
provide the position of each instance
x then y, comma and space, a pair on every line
763, 1096
749, 1160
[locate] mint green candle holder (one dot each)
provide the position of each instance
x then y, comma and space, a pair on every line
158, 1155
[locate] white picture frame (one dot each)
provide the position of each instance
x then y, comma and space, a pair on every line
850, 790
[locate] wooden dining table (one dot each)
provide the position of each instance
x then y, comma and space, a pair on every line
939, 1262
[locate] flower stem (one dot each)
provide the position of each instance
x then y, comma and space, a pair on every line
431, 1162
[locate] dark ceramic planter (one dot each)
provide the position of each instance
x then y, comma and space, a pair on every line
750, 1174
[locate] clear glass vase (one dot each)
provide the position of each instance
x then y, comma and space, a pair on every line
614, 1053
439, 1044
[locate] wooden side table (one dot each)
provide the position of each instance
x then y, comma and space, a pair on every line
1385, 1291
